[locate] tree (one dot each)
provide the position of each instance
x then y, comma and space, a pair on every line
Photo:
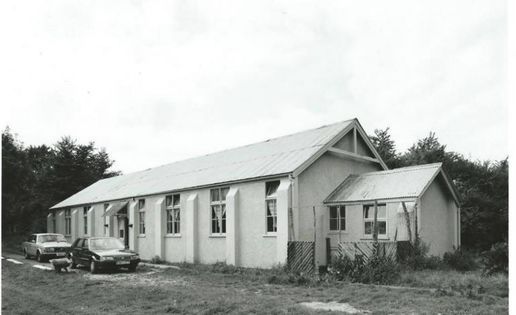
385, 146
482, 186
38, 177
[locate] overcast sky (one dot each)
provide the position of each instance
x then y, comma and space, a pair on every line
158, 81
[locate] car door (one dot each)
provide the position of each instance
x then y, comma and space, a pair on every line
84, 256
75, 249
32, 245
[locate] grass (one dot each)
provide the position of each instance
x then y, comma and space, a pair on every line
218, 289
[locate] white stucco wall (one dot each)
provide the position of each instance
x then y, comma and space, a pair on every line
314, 185
254, 248
438, 219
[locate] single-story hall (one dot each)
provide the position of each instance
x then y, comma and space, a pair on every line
243, 206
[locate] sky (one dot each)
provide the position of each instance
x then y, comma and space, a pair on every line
159, 81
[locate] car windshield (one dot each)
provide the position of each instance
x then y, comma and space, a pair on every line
106, 243
51, 238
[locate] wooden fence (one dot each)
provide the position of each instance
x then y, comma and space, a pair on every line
301, 256
366, 249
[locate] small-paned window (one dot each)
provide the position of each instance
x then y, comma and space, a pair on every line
381, 219
54, 226
173, 208
68, 221
85, 218
337, 218
141, 216
106, 206
271, 214
142, 222
218, 210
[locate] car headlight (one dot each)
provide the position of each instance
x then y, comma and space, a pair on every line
106, 258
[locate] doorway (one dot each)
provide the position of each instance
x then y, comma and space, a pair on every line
123, 226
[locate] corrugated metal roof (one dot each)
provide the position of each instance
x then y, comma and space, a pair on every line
271, 157
406, 182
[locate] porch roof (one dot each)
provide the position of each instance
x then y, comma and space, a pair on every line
400, 183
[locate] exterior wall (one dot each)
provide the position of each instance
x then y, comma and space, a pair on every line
438, 220
314, 185
252, 246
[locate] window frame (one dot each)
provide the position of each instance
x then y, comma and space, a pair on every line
170, 209
85, 211
141, 214
68, 222
339, 219
54, 224
378, 219
106, 226
221, 202
269, 198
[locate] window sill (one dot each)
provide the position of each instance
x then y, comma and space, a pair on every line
217, 236
173, 236
270, 235
333, 232
141, 236
370, 238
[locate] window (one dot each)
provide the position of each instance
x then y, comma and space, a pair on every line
338, 218
54, 227
218, 210
141, 204
381, 219
85, 217
106, 206
68, 221
173, 214
271, 189
141, 221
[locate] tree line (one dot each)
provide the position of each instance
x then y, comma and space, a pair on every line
483, 186
34, 178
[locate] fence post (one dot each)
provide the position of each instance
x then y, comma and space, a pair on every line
316, 271
375, 223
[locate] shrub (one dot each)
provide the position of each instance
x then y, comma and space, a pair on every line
415, 256
377, 269
460, 260
496, 259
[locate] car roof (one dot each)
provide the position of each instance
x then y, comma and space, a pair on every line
39, 234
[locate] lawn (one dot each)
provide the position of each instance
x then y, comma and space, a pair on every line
220, 289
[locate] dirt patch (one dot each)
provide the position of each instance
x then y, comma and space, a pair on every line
334, 307
136, 279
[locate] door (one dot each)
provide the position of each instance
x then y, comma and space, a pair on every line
123, 228
126, 236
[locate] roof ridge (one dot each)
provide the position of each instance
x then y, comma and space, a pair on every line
235, 148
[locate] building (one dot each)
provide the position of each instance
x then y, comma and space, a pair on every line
242, 206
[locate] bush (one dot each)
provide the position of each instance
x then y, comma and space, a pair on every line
415, 256
496, 259
377, 269
460, 260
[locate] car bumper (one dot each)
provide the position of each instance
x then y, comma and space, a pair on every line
109, 264
54, 255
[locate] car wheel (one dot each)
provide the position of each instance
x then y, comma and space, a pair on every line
94, 268
38, 257
25, 254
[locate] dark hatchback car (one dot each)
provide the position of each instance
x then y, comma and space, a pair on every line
102, 253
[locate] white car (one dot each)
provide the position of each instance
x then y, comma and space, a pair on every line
46, 245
